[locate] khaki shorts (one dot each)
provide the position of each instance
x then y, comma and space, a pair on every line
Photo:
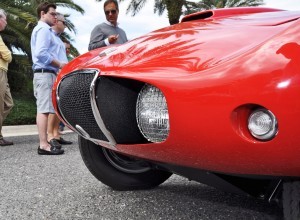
42, 88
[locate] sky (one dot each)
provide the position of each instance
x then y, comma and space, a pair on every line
142, 23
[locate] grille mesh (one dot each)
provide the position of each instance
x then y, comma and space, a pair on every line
74, 102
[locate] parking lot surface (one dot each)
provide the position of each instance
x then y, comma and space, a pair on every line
61, 187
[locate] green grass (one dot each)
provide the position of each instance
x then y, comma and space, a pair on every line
23, 112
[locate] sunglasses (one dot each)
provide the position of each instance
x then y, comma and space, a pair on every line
110, 11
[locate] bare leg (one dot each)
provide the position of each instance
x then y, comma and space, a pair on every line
41, 122
53, 125
56, 128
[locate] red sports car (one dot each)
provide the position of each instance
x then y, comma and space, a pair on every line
213, 98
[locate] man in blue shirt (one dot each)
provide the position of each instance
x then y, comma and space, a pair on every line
45, 66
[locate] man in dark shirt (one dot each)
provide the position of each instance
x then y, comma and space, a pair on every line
108, 32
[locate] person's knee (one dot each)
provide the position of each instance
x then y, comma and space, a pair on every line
10, 106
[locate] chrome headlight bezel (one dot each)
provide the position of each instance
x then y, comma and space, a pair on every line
152, 114
262, 124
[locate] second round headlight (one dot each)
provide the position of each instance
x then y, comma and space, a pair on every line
262, 124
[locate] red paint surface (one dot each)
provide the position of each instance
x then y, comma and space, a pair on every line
212, 73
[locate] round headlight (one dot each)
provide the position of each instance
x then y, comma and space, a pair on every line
262, 124
152, 114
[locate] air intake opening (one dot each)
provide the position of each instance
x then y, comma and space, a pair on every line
197, 16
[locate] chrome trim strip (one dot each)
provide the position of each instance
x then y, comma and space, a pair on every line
274, 191
85, 135
78, 128
97, 115
82, 132
57, 102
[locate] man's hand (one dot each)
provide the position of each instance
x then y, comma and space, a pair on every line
62, 65
113, 38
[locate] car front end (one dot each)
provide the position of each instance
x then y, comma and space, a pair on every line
213, 98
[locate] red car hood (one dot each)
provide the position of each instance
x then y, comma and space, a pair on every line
192, 45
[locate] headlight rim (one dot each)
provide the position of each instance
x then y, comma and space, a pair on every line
272, 133
158, 138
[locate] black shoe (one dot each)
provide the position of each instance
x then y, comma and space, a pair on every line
4, 142
54, 143
63, 141
53, 151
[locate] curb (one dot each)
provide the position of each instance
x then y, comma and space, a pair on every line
23, 130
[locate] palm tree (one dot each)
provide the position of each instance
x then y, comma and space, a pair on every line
22, 18
176, 8
17, 33
173, 7
213, 4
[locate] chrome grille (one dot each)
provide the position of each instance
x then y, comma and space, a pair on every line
74, 102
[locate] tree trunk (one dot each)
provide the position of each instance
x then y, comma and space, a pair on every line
174, 9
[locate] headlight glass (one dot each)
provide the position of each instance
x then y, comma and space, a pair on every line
262, 124
152, 114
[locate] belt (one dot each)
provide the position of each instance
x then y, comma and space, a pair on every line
44, 71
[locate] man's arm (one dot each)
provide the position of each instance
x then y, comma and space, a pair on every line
5, 53
97, 39
42, 45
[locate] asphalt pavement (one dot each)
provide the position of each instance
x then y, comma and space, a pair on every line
60, 187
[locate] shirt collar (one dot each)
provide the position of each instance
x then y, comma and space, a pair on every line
110, 24
57, 34
44, 24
